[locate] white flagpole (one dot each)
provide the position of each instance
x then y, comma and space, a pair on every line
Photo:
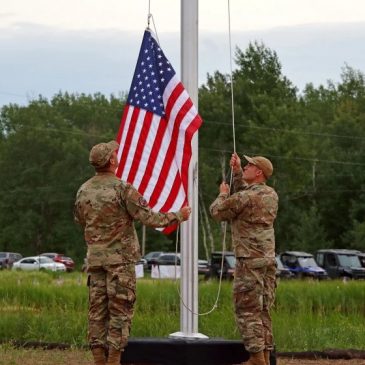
189, 229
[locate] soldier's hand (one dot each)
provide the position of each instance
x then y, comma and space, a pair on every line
235, 162
185, 212
224, 188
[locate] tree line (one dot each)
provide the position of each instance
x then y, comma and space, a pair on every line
315, 139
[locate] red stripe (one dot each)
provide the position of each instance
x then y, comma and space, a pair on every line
153, 156
179, 88
169, 229
170, 154
140, 146
128, 140
122, 123
194, 125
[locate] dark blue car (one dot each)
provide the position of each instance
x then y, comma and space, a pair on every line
302, 264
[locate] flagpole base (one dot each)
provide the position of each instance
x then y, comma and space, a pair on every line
180, 335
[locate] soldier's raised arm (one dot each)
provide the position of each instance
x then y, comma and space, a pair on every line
238, 182
226, 207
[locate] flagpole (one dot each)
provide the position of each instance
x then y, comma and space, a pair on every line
189, 229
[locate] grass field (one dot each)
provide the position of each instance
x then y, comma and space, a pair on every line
308, 315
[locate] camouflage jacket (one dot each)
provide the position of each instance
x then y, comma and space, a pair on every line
252, 212
106, 208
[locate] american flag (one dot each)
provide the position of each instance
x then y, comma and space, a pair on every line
157, 126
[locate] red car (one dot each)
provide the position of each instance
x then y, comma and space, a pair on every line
60, 257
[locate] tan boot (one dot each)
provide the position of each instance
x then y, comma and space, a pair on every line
256, 358
99, 356
267, 357
114, 356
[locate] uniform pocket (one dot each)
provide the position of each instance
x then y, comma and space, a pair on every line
126, 288
257, 263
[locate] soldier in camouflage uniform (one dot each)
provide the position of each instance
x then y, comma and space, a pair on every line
106, 208
252, 210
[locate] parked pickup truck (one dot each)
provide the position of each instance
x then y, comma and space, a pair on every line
341, 263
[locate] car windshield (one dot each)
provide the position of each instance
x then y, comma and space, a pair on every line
2, 254
349, 261
152, 255
231, 261
307, 262
45, 260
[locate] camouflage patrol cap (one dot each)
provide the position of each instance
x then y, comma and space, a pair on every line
262, 163
100, 153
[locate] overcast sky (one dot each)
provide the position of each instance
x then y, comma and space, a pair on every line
92, 45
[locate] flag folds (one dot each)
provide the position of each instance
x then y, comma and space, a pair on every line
157, 126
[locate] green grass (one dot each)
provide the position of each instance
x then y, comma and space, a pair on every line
307, 315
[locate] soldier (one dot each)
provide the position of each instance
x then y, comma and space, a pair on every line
106, 208
252, 210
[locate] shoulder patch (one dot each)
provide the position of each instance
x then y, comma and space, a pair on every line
142, 201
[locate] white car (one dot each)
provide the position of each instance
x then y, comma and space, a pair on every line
38, 263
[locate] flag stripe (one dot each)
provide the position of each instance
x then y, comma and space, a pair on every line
194, 125
153, 155
136, 125
122, 124
174, 195
146, 124
169, 159
147, 151
169, 229
127, 140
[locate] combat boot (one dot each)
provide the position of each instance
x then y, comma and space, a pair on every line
256, 358
99, 356
114, 356
267, 357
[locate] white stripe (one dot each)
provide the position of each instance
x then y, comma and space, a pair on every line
125, 131
170, 87
150, 140
179, 201
134, 142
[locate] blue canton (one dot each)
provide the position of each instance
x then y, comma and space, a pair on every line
152, 74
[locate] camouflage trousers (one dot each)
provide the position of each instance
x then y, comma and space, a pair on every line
112, 293
254, 293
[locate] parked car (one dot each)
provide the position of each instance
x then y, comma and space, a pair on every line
361, 256
151, 258
60, 257
229, 263
341, 263
281, 270
38, 263
168, 258
204, 268
143, 261
8, 258
302, 264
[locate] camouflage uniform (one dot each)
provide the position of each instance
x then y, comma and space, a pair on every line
106, 208
252, 211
